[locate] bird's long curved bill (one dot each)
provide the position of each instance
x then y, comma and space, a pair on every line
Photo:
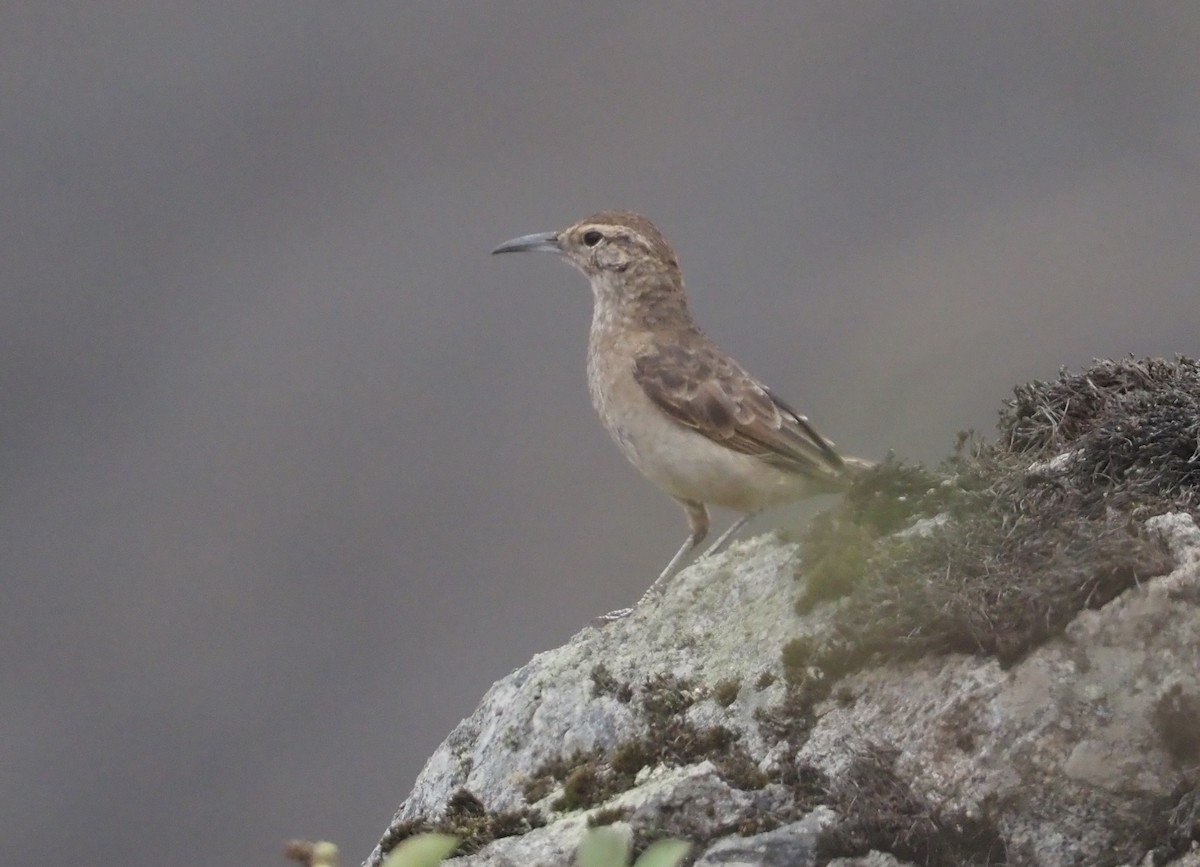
539, 242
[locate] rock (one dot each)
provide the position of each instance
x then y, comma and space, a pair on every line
1064, 755
794, 843
593, 693
1000, 667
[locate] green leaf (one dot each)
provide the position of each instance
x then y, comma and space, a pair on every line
423, 850
324, 853
603, 847
664, 853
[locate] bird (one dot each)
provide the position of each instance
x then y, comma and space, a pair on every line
681, 409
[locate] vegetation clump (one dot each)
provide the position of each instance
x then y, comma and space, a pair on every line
1021, 533
1183, 822
669, 739
467, 818
604, 682
880, 811
726, 692
557, 770
1175, 719
1173, 829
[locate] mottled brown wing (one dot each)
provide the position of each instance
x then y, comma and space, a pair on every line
699, 386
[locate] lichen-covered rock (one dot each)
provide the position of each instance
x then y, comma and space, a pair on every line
623, 684
794, 843
1075, 756
1069, 747
1032, 702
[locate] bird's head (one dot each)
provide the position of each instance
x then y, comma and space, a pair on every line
604, 245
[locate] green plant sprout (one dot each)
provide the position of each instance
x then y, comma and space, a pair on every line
601, 847
423, 850
608, 847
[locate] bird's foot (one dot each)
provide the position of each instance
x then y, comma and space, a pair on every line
611, 617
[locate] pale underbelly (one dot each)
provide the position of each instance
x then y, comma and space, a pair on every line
689, 466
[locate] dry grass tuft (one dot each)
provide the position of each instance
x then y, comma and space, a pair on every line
1031, 529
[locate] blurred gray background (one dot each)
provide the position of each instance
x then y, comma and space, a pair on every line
292, 470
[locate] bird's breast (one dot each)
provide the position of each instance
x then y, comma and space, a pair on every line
619, 400
677, 459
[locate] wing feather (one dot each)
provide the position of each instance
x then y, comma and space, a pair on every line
701, 387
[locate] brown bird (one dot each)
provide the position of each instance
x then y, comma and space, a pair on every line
687, 415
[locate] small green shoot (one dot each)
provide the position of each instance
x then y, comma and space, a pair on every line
609, 847
423, 850
603, 847
664, 853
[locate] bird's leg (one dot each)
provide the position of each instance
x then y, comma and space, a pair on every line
728, 534
698, 524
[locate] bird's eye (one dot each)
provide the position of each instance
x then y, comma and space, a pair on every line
592, 238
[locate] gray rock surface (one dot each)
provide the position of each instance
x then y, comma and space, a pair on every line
794, 843
1061, 759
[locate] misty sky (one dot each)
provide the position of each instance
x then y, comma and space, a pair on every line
292, 469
